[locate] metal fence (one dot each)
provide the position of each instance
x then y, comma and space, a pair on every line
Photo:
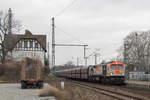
139, 76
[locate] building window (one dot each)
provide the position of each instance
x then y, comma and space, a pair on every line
31, 44
20, 44
25, 44
36, 44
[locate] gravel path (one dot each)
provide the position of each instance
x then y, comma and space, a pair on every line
14, 92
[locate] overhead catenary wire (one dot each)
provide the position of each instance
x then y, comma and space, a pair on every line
65, 8
61, 12
58, 14
66, 33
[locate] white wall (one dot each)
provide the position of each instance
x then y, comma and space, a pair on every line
19, 55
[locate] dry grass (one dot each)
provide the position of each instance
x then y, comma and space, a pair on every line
10, 72
53, 91
74, 92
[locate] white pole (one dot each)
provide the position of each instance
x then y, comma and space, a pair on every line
62, 85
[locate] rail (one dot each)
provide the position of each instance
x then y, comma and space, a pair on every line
115, 94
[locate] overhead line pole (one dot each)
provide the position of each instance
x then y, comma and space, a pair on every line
95, 55
53, 43
48, 55
95, 58
77, 61
85, 51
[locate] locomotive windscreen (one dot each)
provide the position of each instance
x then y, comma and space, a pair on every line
116, 66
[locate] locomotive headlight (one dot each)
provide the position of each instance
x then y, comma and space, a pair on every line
110, 73
123, 73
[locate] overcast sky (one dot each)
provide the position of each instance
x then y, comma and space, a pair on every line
99, 23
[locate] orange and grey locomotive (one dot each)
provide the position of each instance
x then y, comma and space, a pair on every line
110, 72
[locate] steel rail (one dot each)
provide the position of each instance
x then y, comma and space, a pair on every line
110, 93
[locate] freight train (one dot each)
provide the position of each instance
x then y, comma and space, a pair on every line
106, 73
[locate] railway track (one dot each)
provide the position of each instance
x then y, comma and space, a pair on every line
114, 93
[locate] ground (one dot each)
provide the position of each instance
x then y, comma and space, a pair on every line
74, 92
14, 92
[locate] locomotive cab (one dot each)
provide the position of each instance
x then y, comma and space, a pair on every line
104, 69
94, 70
116, 68
116, 72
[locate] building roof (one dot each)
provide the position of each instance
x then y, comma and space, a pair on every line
12, 39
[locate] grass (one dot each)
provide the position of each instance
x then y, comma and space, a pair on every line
70, 92
53, 91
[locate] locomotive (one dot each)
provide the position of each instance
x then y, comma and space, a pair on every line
107, 73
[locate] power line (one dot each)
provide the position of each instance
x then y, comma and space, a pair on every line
68, 34
69, 45
63, 10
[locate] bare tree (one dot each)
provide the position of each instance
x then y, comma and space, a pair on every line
4, 26
137, 51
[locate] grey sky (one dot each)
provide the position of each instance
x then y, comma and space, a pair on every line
99, 23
